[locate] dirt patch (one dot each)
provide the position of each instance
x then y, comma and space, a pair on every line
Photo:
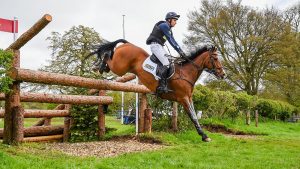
216, 128
117, 146
241, 136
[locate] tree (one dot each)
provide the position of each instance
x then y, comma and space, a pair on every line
69, 55
285, 75
283, 80
292, 16
243, 37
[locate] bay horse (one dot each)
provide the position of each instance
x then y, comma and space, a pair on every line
129, 58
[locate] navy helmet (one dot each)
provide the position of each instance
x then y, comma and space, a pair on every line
172, 15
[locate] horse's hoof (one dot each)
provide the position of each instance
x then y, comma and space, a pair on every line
207, 139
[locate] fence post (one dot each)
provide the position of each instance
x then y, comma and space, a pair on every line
142, 108
148, 120
13, 117
175, 116
256, 118
248, 117
67, 124
101, 117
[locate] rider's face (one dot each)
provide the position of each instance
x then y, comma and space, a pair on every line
173, 22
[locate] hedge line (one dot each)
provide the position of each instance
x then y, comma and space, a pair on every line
228, 104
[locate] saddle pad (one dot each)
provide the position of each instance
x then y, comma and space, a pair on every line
152, 67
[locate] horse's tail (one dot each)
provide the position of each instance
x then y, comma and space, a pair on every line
110, 46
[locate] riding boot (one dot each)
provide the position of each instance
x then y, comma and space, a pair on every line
163, 82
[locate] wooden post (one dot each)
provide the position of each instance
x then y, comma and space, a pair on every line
67, 125
142, 108
256, 118
30, 33
248, 117
101, 117
148, 120
47, 121
18, 124
175, 116
13, 119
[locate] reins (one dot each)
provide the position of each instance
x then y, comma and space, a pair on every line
199, 68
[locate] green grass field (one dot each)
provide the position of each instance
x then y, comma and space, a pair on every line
278, 148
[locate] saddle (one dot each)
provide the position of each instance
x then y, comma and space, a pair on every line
153, 66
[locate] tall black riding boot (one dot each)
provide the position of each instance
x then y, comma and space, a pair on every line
163, 81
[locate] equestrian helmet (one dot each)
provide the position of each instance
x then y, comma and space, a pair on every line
172, 15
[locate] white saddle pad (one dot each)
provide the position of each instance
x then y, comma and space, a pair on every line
150, 67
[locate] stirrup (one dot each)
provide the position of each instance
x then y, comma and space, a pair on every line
161, 90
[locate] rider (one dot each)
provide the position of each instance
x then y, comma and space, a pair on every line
161, 32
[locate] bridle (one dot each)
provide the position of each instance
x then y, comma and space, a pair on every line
212, 55
200, 68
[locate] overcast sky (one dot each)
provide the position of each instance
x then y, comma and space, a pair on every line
104, 16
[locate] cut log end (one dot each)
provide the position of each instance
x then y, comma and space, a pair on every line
48, 17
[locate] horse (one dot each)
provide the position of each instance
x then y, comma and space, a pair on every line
129, 58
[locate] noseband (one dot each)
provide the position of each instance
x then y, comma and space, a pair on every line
211, 50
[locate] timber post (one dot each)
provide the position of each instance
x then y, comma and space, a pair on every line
101, 117
175, 117
13, 119
67, 124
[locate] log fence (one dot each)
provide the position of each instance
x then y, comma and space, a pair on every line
14, 114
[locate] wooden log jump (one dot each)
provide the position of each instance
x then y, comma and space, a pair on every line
65, 99
76, 81
44, 138
14, 114
40, 131
29, 34
126, 78
31, 113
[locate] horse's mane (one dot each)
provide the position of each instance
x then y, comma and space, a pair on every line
196, 53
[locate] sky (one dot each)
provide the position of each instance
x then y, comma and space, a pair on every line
104, 16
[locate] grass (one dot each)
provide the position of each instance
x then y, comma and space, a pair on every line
279, 148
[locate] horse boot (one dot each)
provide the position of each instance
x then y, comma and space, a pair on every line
163, 82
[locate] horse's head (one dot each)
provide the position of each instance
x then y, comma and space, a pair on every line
213, 64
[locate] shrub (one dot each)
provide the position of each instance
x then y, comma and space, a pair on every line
84, 126
6, 59
275, 109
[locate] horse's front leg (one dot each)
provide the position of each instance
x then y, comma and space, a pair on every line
189, 108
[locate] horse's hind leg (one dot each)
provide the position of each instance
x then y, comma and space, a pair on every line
189, 108
103, 64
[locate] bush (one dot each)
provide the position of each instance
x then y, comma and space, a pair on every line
275, 109
6, 59
85, 122
230, 105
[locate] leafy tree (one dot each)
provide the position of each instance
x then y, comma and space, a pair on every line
292, 16
243, 36
283, 80
69, 55
6, 59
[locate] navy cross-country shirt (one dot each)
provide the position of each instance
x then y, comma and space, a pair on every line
161, 33
169, 35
